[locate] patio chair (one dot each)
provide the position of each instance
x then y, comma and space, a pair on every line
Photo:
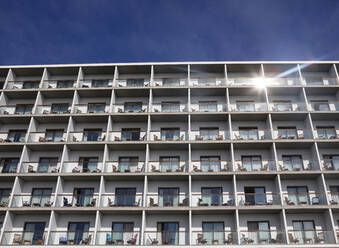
109, 240
226, 168
156, 138
92, 203
278, 239
151, 203
229, 239
327, 166
3, 204
31, 169
133, 240
66, 204
45, 111
198, 137
25, 203
265, 167
75, 170
55, 170
201, 203
201, 240
315, 201
292, 239
195, 168
116, 138
228, 203
137, 203
241, 168
110, 203
180, 169
115, 169
87, 240
42, 139
184, 203
17, 239
48, 204
320, 238
74, 139
288, 202
154, 169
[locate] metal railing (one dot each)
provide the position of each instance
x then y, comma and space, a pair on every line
48, 109
288, 106
118, 238
157, 135
209, 135
208, 107
124, 167
258, 199
248, 107
24, 238
59, 84
159, 238
96, 83
168, 166
5, 137
330, 164
211, 165
79, 167
304, 198
169, 82
87, 136
311, 237
91, 109
214, 237
207, 81
46, 137
299, 134
261, 237
80, 238
252, 134
212, 200
29, 200
255, 165
169, 107
141, 82
121, 200
296, 164
167, 200
40, 167
124, 136
77, 200
323, 106
320, 80
123, 108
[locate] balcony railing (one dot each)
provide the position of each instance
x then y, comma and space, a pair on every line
121, 200
167, 200
208, 107
261, 237
59, 84
46, 137
82, 167
80, 238
5, 137
258, 199
40, 167
326, 134
304, 198
91, 109
17, 85
320, 80
4, 200
169, 82
8, 168
252, 134
122, 108
292, 134
330, 164
323, 106
210, 81
248, 107
211, 165
170, 237
90, 136
118, 238
29, 200
333, 197
279, 81
244, 81
169, 107
24, 238
124, 167
209, 135
214, 237
296, 164
48, 109
213, 200
310, 237
131, 136
288, 107
168, 166
255, 165
96, 83
133, 82
12, 110
157, 135
77, 200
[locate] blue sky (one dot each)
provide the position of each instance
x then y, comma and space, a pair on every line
84, 31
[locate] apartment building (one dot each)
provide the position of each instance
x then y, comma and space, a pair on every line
221, 154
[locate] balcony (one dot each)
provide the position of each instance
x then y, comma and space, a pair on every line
304, 198
261, 237
95, 83
169, 82
168, 166
29, 200
209, 134
47, 137
258, 199
18, 85
326, 133
169, 107
295, 163
213, 199
288, 106
91, 108
205, 82
214, 237
255, 165
77, 200
333, 197
248, 107
167, 200
12, 137
58, 84
168, 135
82, 167
292, 134
19, 109
130, 107
131, 135
118, 238
124, 167
87, 136
310, 237
24, 238
133, 83
211, 165
170, 237
8, 167
330, 164
53, 109
121, 200
320, 80
40, 167
323, 105
4, 199
208, 106
252, 134
80, 238
282, 81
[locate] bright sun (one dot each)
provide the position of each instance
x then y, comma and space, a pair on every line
259, 82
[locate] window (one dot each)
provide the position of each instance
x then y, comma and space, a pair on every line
170, 106
248, 133
59, 108
292, 162
169, 164
31, 85
16, 135
168, 233
168, 197
251, 163
9, 165
4, 197
40, 196
65, 83
326, 132
135, 82
259, 231
54, 135
88, 164
133, 107
208, 106
83, 196
287, 133
34, 233
77, 232
209, 133
332, 161
298, 195
46, 164
100, 83
255, 196
125, 196
320, 105
170, 133
96, 107
210, 163
122, 232
211, 196
2, 83
282, 105
23, 109
304, 231
334, 193
128, 134
128, 164
245, 106
213, 232
92, 134
170, 82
